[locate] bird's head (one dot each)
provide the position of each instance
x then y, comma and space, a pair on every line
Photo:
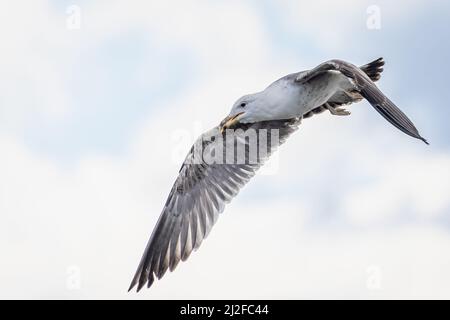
247, 109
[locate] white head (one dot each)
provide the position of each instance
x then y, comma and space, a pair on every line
247, 109
277, 101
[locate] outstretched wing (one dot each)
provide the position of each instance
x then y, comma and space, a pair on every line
367, 88
203, 187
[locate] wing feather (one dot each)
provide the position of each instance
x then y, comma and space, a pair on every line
198, 196
367, 88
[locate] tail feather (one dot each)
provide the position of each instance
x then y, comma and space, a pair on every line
374, 69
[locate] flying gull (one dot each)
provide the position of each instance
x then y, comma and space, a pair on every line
203, 187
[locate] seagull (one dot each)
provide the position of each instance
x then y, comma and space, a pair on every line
203, 187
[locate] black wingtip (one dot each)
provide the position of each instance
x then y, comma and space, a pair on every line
131, 286
136, 281
424, 140
139, 287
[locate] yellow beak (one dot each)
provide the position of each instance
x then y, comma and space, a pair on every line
229, 122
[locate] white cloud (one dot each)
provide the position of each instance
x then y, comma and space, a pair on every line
414, 183
98, 216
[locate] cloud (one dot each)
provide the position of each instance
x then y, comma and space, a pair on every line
97, 217
414, 185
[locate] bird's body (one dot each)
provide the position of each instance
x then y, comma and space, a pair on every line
203, 187
289, 99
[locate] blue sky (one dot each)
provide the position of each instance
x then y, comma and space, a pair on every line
89, 120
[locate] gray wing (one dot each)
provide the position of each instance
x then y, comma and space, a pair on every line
200, 193
368, 90
342, 98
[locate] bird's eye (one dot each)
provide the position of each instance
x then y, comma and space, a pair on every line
243, 104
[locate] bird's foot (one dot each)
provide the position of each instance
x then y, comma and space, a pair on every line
338, 111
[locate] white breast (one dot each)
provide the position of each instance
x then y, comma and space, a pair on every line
288, 99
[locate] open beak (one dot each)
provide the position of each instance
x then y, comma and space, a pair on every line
230, 121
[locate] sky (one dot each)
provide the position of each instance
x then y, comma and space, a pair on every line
100, 101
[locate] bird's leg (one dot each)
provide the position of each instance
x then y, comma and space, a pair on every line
337, 111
